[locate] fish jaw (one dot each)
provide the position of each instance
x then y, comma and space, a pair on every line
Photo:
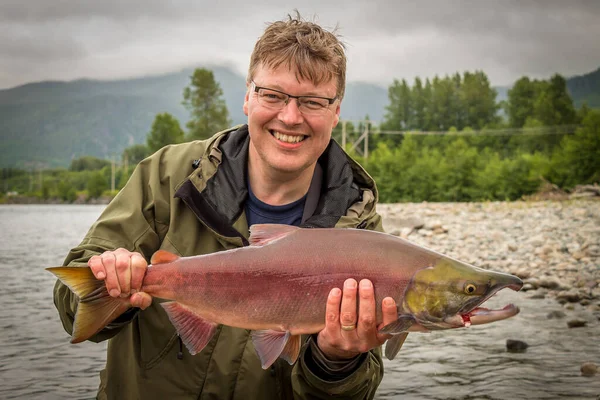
481, 316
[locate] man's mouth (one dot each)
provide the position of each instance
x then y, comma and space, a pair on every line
287, 138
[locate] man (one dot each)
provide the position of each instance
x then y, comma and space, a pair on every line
200, 197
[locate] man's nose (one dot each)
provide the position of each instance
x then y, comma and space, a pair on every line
290, 113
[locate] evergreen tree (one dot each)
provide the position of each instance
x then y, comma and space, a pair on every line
165, 130
520, 104
204, 99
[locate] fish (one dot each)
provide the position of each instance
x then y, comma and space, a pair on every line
278, 285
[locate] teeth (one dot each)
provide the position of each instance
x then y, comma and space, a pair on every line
288, 138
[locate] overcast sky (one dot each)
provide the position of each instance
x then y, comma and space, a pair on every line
107, 39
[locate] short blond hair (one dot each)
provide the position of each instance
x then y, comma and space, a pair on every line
315, 53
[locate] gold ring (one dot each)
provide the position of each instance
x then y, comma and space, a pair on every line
348, 327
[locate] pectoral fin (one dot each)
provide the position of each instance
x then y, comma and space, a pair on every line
393, 345
271, 344
401, 325
194, 331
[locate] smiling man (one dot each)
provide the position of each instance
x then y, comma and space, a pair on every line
201, 197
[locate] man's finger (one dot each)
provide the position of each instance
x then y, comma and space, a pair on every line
366, 310
138, 271
348, 309
112, 282
95, 264
390, 314
123, 268
332, 310
141, 300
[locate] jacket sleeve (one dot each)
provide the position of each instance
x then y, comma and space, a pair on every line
314, 376
130, 221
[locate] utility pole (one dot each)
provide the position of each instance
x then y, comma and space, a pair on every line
366, 142
344, 135
112, 175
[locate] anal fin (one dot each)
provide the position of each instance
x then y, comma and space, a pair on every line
194, 331
393, 345
270, 345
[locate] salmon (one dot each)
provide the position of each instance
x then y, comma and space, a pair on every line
278, 287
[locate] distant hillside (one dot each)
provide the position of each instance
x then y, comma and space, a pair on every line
50, 123
585, 89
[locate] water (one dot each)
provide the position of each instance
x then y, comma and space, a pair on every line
38, 362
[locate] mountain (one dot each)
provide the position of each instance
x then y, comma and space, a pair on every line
585, 89
47, 124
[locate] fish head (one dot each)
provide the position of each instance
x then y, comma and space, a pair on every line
448, 295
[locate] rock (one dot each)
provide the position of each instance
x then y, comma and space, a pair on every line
523, 273
516, 346
551, 283
537, 295
556, 314
589, 369
576, 323
572, 296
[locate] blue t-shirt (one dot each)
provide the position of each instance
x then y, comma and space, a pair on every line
258, 212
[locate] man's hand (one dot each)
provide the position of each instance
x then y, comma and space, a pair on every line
347, 333
123, 273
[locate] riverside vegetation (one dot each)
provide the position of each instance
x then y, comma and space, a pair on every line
470, 161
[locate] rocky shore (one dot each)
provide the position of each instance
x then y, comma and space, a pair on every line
554, 246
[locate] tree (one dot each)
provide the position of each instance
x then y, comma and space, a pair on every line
136, 153
88, 163
204, 99
165, 130
399, 112
97, 184
521, 100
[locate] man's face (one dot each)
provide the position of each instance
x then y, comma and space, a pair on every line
277, 154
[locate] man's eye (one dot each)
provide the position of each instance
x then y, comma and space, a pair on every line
314, 104
272, 96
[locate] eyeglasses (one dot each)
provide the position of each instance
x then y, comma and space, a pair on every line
276, 99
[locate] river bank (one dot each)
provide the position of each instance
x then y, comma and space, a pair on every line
554, 246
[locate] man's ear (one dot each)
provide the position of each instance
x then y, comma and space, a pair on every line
246, 98
336, 117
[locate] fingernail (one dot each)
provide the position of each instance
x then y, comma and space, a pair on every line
101, 275
133, 291
335, 292
350, 283
365, 284
388, 302
114, 293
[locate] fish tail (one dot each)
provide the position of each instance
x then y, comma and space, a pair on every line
96, 308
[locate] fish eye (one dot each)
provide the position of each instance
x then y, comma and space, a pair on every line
470, 288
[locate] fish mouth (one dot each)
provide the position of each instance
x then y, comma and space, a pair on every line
482, 315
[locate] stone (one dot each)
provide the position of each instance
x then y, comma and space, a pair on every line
516, 346
556, 314
589, 369
576, 323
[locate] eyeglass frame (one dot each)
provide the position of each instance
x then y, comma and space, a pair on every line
331, 100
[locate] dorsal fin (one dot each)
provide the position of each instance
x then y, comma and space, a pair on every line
261, 234
162, 257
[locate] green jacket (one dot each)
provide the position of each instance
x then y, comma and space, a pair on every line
189, 199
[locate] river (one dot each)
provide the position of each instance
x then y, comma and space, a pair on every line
38, 362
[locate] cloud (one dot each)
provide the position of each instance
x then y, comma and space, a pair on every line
386, 39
